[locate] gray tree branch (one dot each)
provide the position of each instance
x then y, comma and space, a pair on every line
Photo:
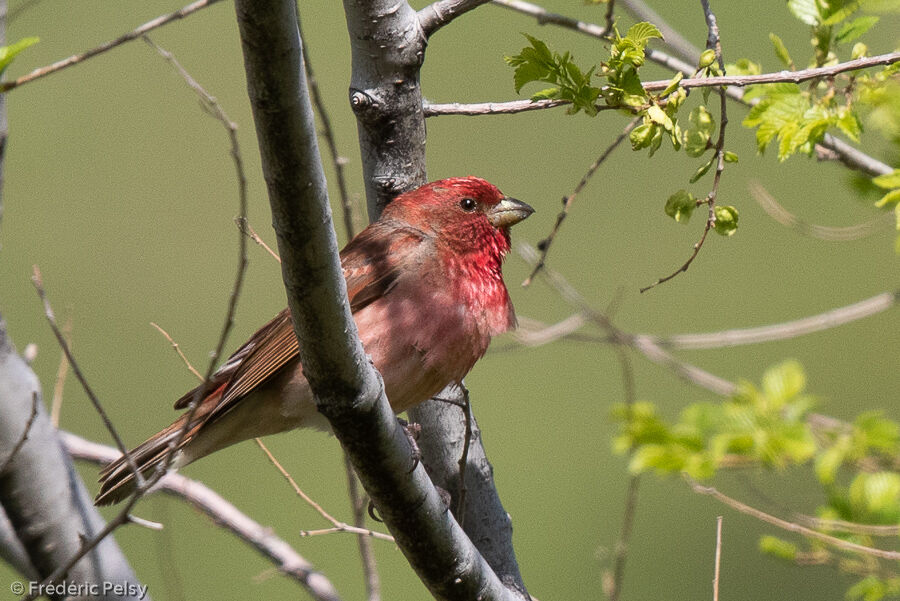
44, 500
348, 389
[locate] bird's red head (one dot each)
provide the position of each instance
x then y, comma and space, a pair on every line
468, 214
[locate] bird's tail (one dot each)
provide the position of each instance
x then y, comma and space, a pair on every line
117, 479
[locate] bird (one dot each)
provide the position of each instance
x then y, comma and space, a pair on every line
426, 291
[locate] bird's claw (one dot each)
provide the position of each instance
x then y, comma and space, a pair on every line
412, 432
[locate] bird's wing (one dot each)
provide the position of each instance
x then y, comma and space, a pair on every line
371, 262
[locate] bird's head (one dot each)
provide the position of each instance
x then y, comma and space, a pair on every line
468, 214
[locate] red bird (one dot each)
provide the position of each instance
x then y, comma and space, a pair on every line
427, 295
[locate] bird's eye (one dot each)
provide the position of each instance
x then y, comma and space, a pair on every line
468, 205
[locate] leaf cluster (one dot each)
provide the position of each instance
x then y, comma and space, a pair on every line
772, 425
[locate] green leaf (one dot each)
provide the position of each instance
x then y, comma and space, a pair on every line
726, 220
870, 588
849, 123
8, 53
643, 32
888, 199
855, 28
730, 157
781, 50
778, 547
805, 10
657, 115
680, 205
703, 169
673, 84
642, 135
783, 382
888, 180
546, 94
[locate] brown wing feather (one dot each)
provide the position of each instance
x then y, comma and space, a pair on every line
371, 263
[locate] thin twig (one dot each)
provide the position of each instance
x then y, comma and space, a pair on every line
38, 282
337, 161
738, 81
247, 230
178, 350
61, 372
718, 558
713, 42
131, 35
216, 111
851, 527
847, 154
780, 331
790, 526
823, 232
648, 348
339, 526
35, 401
544, 245
628, 515
358, 503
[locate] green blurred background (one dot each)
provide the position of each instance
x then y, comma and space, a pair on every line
122, 191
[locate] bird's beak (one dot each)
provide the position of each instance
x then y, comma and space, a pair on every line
508, 212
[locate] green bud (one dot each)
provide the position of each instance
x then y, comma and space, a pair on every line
707, 57
726, 220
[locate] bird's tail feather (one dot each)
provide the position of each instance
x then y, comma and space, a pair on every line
117, 479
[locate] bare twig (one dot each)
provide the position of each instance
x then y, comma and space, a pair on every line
492, 108
358, 503
823, 232
61, 372
178, 350
222, 512
780, 331
544, 245
131, 35
247, 230
851, 527
790, 526
648, 348
718, 558
215, 110
628, 515
38, 283
339, 526
35, 399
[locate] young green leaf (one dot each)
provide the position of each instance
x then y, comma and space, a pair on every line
680, 205
643, 32
781, 51
855, 28
8, 53
726, 220
805, 10
703, 169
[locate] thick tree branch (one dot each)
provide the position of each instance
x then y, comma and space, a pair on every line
41, 494
388, 47
440, 13
348, 390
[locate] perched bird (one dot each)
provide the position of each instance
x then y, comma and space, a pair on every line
427, 295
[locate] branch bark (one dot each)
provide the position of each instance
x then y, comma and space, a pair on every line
348, 390
46, 503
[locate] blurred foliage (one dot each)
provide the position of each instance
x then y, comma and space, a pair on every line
772, 425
